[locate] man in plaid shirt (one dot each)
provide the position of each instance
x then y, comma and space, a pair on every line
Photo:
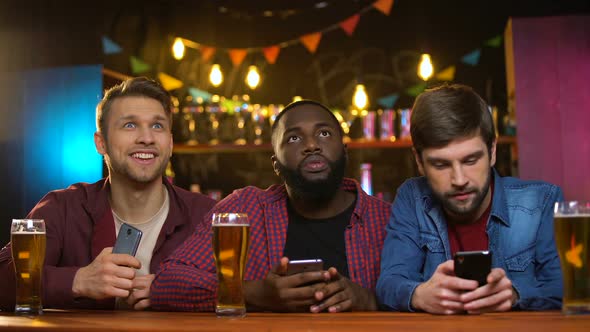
316, 213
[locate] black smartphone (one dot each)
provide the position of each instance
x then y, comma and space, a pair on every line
127, 240
304, 265
473, 265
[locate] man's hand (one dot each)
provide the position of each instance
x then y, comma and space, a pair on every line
341, 294
496, 295
442, 293
109, 275
278, 292
139, 299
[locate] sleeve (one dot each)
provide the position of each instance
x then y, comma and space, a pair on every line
187, 280
546, 293
402, 257
8, 284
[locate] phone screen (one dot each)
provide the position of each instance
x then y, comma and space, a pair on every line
127, 240
473, 265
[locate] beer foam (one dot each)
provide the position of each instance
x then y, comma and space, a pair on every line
28, 233
229, 225
577, 215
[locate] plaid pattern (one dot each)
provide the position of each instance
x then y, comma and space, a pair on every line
187, 280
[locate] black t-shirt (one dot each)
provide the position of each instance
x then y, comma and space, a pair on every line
318, 238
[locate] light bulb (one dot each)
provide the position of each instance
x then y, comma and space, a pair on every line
360, 99
216, 76
425, 68
253, 77
178, 49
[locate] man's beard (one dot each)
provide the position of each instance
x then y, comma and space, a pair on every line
316, 191
465, 211
125, 170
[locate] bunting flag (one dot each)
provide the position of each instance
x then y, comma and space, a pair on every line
237, 55
472, 58
109, 46
383, 6
494, 42
388, 101
447, 74
416, 89
138, 66
168, 82
197, 93
349, 25
206, 53
311, 41
271, 53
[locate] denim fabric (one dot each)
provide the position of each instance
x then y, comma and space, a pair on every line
520, 231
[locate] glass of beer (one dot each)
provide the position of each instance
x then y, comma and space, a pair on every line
27, 238
572, 236
230, 248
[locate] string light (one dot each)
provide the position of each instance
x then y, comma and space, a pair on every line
425, 68
253, 77
178, 49
216, 76
360, 99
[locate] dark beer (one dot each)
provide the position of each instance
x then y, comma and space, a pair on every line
572, 236
28, 252
230, 247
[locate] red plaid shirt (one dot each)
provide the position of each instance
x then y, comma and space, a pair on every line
187, 279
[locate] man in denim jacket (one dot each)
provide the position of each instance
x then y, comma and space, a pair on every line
462, 204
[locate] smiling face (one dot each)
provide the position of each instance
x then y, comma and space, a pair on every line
139, 140
459, 175
309, 154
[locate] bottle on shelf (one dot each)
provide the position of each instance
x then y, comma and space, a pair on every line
366, 181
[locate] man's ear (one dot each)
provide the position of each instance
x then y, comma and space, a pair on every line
493, 154
418, 158
273, 158
99, 143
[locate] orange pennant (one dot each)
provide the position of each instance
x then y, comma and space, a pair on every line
237, 55
349, 24
271, 53
383, 6
206, 53
311, 41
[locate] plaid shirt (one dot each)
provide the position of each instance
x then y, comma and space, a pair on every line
187, 280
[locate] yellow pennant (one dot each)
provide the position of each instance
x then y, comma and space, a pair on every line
447, 74
169, 82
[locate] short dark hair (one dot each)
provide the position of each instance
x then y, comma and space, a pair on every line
134, 87
448, 112
300, 103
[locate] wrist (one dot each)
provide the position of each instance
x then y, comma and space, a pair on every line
77, 284
253, 293
415, 303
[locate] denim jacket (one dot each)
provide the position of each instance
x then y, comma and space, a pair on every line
520, 232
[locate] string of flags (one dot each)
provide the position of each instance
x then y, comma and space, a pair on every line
311, 42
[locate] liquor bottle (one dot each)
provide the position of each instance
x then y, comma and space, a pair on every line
366, 181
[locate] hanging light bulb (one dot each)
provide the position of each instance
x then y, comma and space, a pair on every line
216, 76
253, 77
360, 99
178, 49
425, 68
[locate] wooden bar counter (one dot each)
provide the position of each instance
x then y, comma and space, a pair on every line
58, 320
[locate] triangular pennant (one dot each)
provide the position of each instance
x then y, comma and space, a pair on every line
494, 42
383, 6
388, 101
472, 58
237, 55
169, 82
311, 41
197, 93
109, 46
271, 53
447, 74
416, 89
206, 53
138, 66
349, 24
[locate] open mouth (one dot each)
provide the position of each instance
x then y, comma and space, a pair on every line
143, 157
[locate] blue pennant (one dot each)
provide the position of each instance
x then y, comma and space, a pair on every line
388, 101
472, 58
109, 46
197, 93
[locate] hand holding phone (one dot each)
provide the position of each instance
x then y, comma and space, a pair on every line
473, 265
127, 240
305, 265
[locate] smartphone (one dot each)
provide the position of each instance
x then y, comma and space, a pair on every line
473, 265
127, 240
305, 265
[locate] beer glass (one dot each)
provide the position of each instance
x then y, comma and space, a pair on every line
230, 248
27, 238
572, 236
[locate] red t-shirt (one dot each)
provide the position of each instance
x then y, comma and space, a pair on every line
470, 237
